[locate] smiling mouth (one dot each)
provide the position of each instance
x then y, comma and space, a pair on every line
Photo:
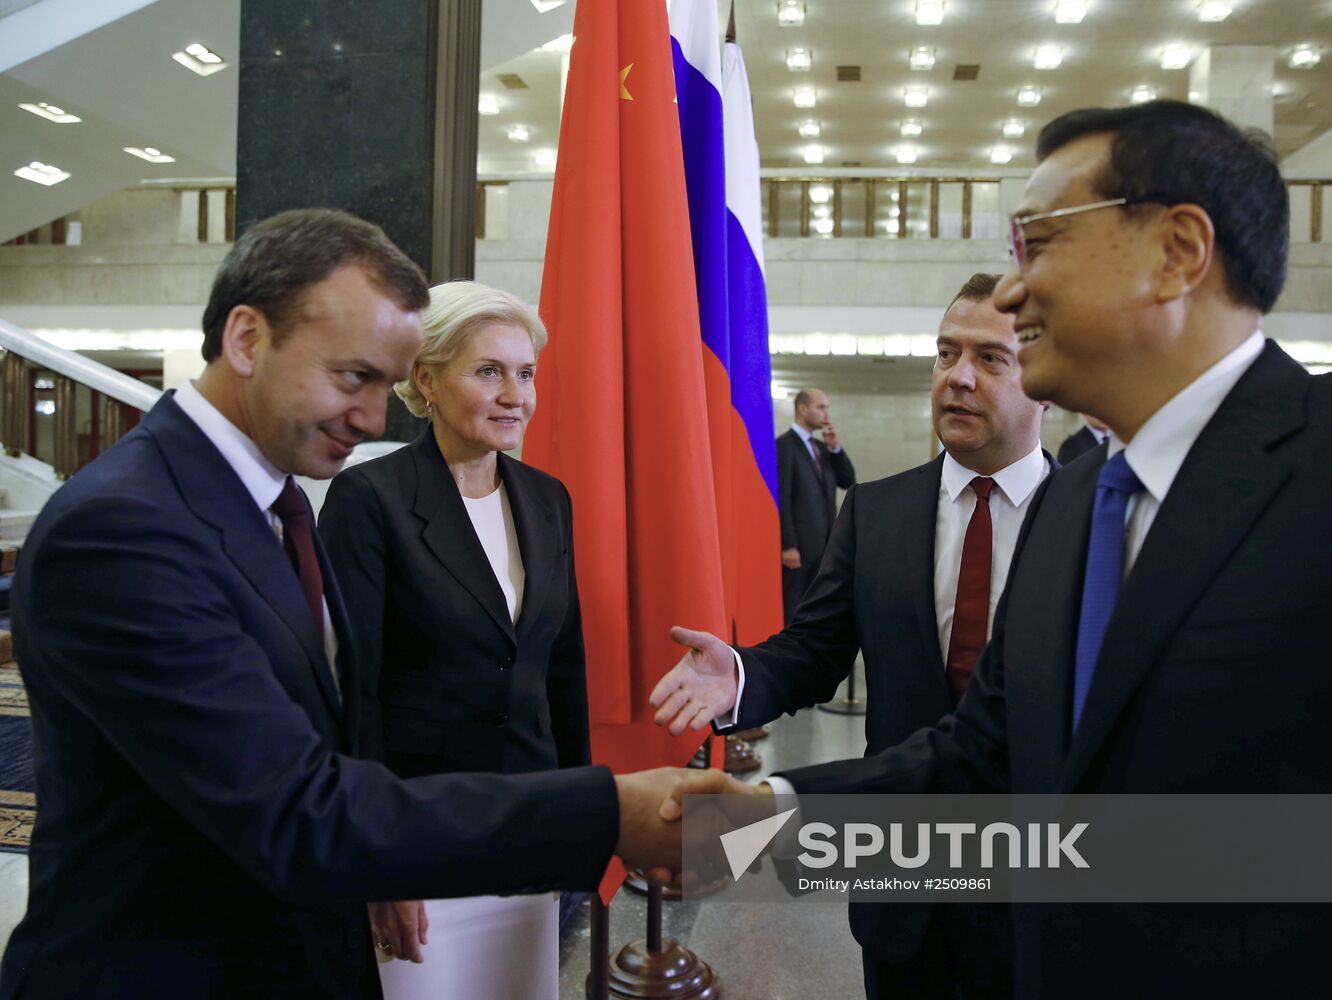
960, 411
1030, 334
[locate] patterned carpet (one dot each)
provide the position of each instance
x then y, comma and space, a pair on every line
18, 805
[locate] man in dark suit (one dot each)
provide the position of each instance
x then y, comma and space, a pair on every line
1164, 628
1083, 440
808, 474
898, 585
204, 827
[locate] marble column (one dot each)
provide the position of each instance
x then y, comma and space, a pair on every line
369, 107
1236, 81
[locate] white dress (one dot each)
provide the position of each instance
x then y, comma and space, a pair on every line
486, 947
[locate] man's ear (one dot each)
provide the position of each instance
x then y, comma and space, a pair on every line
1188, 250
246, 328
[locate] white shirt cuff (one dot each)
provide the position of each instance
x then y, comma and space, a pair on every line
727, 721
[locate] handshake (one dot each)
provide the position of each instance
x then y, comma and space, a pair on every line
698, 689
651, 803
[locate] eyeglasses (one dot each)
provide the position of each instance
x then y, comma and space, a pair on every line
1019, 238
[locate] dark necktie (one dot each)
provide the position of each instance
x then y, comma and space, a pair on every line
298, 540
1105, 571
971, 609
818, 459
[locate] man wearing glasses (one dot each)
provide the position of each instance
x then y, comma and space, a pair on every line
1165, 623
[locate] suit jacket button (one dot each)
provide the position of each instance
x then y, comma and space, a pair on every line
505, 662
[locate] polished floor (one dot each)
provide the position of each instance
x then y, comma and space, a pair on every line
759, 952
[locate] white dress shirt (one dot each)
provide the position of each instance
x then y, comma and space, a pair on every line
261, 478
808, 438
1159, 448
1014, 487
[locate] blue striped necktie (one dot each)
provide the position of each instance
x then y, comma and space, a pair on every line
1105, 571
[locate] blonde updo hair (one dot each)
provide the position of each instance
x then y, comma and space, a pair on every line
457, 310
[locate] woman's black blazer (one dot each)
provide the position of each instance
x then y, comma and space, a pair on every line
448, 682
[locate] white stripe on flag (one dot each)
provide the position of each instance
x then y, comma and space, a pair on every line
742, 153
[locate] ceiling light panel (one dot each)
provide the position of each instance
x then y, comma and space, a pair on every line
1304, 57
519, 133
922, 58
1142, 94
805, 97
45, 174
929, 11
790, 13
1014, 129
1028, 97
199, 58
544, 5
907, 154
810, 129
149, 153
799, 60
912, 128
1176, 57
1001, 155
488, 104
813, 153
1049, 56
1070, 11
820, 194
1213, 10
51, 113
916, 97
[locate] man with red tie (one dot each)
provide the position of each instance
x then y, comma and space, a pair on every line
914, 568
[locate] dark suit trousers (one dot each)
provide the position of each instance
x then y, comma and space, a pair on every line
966, 954
794, 584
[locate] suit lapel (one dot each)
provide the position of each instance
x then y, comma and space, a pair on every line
347, 678
449, 534
919, 523
534, 524
217, 496
1227, 480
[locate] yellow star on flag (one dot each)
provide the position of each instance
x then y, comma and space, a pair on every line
624, 91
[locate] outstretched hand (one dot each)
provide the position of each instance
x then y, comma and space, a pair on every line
700, 687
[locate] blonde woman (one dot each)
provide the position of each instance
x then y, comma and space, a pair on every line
456, 562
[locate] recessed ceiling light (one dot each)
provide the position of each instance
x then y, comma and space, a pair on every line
545, 159
929, 11
1001, 154
1142, 94
799, 60
922, 58
916, 97
41, 173
519, 133
199, 58
810, 129
790, 13
149, 153
894, 212
1213, 10
488, 104
1028, 97
1304, 57
1014, 128
813, 153
544, 5
823, 227
1175, 57
563, 43
51, 113
907, 154
911, 128
1049, 56
820, 194
891, 226
805, 97
1070, 11
822, 212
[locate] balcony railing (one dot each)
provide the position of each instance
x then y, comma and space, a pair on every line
125, 398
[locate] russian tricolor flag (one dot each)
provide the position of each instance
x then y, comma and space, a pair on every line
722, 174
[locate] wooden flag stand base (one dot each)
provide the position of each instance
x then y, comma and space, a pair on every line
850, 705
651, 969
751, 735
740, 757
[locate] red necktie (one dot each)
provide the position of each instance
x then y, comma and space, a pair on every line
298, 540
971, 610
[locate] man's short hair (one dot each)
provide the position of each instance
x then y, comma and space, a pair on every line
978, 288
802, 398
276, 260
1172, 153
